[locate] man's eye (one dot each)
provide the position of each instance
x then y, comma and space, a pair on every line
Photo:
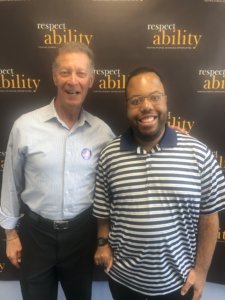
135, 101
155, 97
82, 74
64, 73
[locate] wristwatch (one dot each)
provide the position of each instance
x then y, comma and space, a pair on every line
102, 241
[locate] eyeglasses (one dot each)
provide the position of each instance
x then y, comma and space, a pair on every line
154, 98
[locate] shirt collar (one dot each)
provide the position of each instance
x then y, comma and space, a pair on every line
168, 140
50, 113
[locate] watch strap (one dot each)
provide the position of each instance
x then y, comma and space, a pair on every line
102, 241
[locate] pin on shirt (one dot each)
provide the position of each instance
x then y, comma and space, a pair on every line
86, 153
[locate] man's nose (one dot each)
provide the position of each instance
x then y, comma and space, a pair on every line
73, 78
146, 104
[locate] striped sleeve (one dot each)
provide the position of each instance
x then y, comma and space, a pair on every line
213, 186
101, 201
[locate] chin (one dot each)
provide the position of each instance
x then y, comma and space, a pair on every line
145, 137
149, 135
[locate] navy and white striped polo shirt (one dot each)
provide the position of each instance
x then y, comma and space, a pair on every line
154, 200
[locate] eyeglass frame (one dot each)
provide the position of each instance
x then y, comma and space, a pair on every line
150, 97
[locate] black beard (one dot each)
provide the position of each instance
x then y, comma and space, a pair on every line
147, 138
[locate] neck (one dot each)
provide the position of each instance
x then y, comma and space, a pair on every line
148, 142
67, 114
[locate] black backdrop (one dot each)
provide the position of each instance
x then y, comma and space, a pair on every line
183, 39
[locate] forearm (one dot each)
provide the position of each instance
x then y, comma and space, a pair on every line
103, 254
206, 243
103, 228
11, 234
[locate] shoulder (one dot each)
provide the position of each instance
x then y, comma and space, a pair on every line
112, 148
32, 116
190, 142
97, 123
192, 147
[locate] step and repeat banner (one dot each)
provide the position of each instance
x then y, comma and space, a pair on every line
183, 39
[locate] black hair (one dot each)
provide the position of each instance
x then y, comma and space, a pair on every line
142, 70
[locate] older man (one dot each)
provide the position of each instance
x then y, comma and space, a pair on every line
49, 174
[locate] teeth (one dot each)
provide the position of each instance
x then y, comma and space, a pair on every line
73, 92
146, 120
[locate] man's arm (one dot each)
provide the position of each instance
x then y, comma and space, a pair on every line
206, 243
12, 185
103, 255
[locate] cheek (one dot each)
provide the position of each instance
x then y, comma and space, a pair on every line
86, 84
58, 81
164, 105
131, 113
164, 109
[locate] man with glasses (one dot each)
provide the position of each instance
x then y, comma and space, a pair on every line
158, 193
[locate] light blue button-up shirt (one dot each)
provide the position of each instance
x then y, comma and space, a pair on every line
50, 167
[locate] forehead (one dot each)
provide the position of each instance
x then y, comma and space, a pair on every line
145, 82
73, 60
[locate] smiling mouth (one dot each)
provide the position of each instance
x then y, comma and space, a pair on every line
72, 92
147, 119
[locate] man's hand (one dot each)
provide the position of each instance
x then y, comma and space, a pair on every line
13, 247
196, 279
207, 236
104, 257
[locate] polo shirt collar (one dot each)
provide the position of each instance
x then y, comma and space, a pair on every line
168, 140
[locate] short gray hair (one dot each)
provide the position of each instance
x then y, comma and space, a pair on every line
75, 47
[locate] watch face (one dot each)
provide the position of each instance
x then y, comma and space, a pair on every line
102, 241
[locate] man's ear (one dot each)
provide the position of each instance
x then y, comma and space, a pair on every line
92, 78
54, 78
